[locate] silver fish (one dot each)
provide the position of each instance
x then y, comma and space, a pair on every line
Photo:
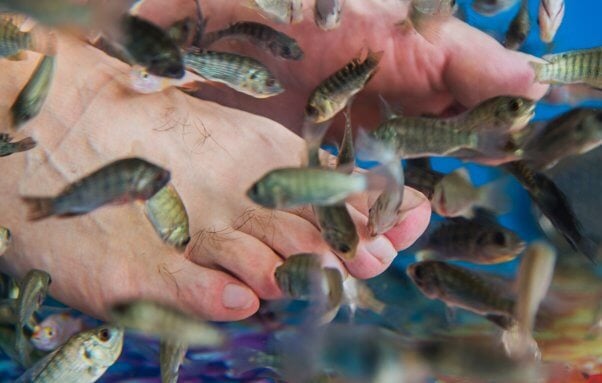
171, 356
327, 13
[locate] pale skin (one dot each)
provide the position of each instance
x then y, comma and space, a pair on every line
215, 153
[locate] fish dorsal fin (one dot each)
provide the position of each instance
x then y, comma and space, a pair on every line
484, 216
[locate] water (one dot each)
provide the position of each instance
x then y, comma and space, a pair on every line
139, 361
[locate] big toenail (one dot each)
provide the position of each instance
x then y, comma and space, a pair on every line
237, 297
381, 248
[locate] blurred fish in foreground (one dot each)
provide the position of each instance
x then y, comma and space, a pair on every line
479, 240
84, 358
572, 95
171, 356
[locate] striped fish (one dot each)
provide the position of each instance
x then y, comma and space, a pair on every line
573, 67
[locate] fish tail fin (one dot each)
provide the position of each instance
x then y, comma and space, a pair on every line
25, 144
494, 196
314, 134
519, 343
389, 175
39, 208
43, 40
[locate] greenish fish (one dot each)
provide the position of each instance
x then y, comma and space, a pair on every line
30, 100
7, 147
5, 239
117, 182
280, 11
150, 47
166, 211
333, 94
277, 43
291, 187
171, 356
241, 73
166, 322
83, 359
519, 28
459, 287
478, 240
502, 113
575, 132
573, 67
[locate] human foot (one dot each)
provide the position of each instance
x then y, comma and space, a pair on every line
214, 154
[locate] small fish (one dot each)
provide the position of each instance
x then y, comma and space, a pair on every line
479, 240
143, 82
335, 92
507, 113
5, 240
534, 279
280, 11
117, 182
414, 137
336, 225
83, 359
166, 322
13, 40
551, 13
519, 28
241, 73
7, 147
171, 356
166, 211
278, 43
150, 47
575, 132
492, 7
54, 331
30, 100
460, 287
554, 205
359, 295
424, 16
573, 67
327, 13
290, 187
302, 277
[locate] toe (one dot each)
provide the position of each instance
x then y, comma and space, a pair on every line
207, 293
241, 255
415, 217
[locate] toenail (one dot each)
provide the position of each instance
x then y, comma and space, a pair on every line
381, 248
237, 297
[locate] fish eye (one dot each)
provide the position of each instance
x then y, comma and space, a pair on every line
286, 51
499, 238
49, 331
419, 273
515, 105
344, 248
104, 335
311, 111
8, 234
253, 75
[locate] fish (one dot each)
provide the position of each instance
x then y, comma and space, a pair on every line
551, 13
290, 187
8, 311
277, 43
150, 47
13, 41
30, 100
534, 279
336, 225
84, 358
120, 181
478, 240
166, 211
572, 95
519, 28
171, 356
7, 147
456, 286
357, 294
165, 322
55, 330
182, 32
143, 82
492, 7
502, 113
424, 16
9, 287
575, 132
572, 67
33, 290
554, 205
280, 11
335, 92
327, 13
241, 73
5, 239
302, 277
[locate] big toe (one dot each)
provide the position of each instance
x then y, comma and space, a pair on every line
201, 291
